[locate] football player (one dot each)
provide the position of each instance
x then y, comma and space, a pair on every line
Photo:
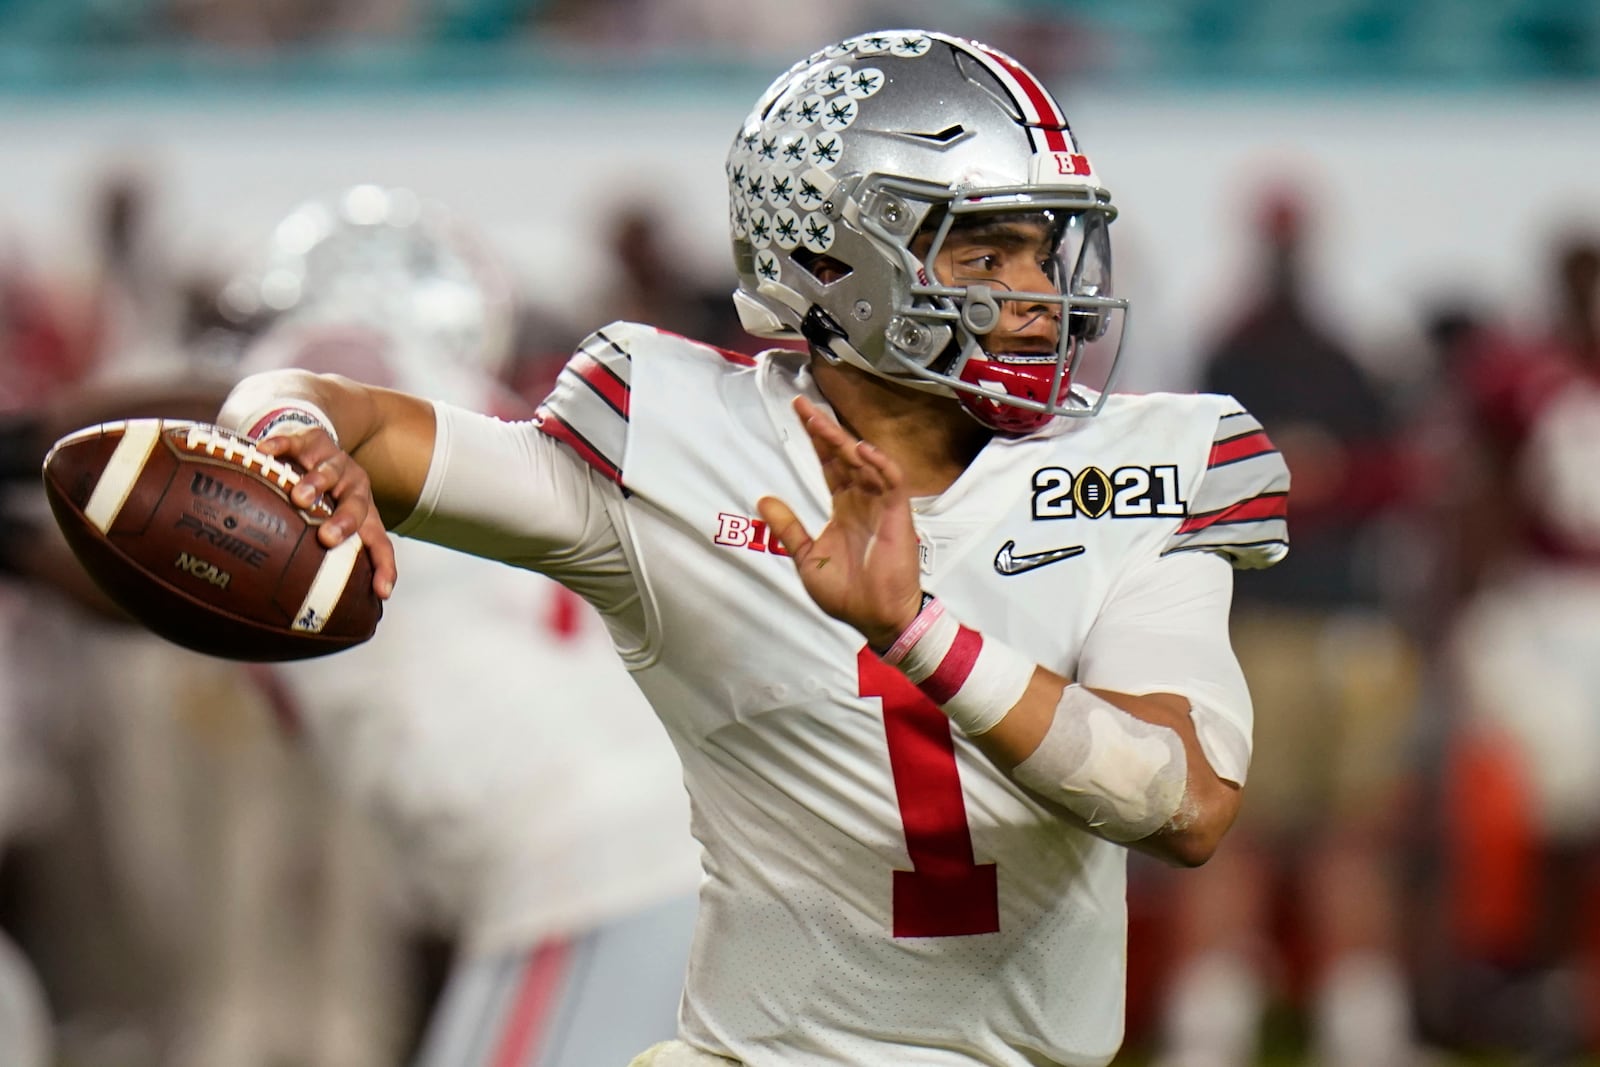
1524, 657
937, 624
489, 728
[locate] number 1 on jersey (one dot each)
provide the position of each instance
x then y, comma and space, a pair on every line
946, 893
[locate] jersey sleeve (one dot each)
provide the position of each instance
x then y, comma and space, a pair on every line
1239, 508
1164, 629
587, 411
507, 492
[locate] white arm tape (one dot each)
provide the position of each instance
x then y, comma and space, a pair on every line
973, 680
1125, 777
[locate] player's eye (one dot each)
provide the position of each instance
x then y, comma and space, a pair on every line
979, 263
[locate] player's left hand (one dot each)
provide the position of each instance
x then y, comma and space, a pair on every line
861, 568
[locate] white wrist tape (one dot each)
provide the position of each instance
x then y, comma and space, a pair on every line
974, 681
1125, 777
286, 416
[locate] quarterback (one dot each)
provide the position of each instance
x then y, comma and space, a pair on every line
936, 623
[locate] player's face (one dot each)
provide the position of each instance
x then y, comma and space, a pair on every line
1009, 254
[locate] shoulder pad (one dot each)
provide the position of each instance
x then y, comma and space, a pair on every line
1239, 508
588, 409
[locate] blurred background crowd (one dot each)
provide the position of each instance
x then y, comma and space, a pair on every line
1376, 223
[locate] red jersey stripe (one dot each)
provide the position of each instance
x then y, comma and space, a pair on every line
1242, 447
552, 425
952, 673
726, 353
603, 380
532, 1007
1265, 506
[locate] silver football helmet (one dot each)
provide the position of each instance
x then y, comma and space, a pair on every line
384, 258
852, 173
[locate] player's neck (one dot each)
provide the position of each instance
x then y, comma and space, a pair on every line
931, 438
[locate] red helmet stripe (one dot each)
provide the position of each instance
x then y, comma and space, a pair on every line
1031, 96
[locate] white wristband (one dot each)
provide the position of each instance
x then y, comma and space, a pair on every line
973, 680
287, 416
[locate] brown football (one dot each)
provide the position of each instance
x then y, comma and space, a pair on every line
191, 531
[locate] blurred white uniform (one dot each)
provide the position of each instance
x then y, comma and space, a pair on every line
470, 725
1527, 648
24, 1019
536, 808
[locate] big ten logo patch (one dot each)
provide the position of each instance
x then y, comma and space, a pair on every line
1072, 163
741, 531
1125, 493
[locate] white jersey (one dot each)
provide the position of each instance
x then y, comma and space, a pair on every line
876, 891
489, 726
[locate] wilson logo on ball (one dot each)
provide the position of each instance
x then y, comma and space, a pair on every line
204, 487
202, 484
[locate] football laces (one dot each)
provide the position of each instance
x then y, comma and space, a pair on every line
218, 443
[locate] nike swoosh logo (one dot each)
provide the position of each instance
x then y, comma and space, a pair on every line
1008, 562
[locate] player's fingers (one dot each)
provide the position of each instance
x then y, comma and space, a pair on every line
349, 479
357, 516
885, 466
349, 490
785, 525
314, 484
844, 463
306, 447
315, 454
381, 549
866, 472
822, 444
827, 436
804, 408
835, 473
346, 519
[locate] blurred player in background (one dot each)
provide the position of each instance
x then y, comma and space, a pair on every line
114, 895
467, 731
914, 829
25, 1034
489, 726
1334, 682
1524, 661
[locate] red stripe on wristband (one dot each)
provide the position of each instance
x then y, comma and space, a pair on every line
298, 415
952, 673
